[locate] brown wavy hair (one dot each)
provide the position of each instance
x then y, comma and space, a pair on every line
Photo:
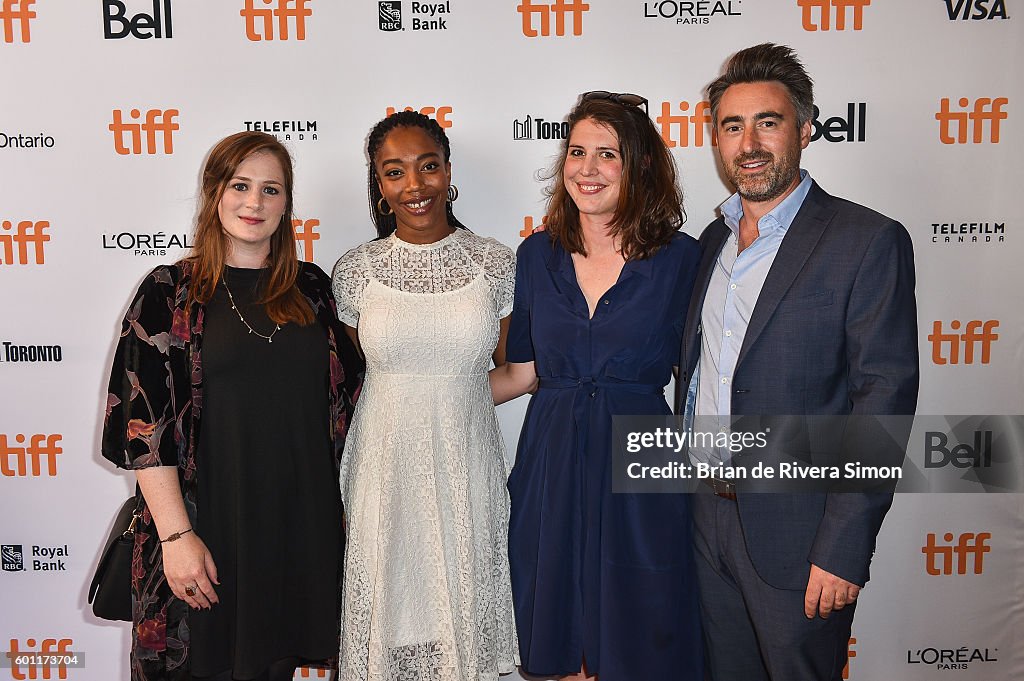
280, 296
650, 206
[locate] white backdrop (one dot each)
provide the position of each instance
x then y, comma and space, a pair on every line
84, 217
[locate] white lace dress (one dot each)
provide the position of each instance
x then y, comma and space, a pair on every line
427, 595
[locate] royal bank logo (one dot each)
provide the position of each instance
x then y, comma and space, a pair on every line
156, 23
13, 557
851, 128
968, 233
15, 353
963, 343
832, 15
952, 658
530, 128
954, 125
683, 125
976, 10
286, 131
539, 18
692, 13
424, 16
153, 243
16, 19
439, 113
390, 15
22, 242
275, 19
10, 140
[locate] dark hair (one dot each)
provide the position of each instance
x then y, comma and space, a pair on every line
386, 224
283, 301
767, 62
650, 206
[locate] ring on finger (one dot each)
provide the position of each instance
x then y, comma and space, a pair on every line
190, 590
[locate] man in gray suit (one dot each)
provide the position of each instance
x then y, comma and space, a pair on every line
804, 305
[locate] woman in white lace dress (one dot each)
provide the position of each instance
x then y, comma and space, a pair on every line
427, 595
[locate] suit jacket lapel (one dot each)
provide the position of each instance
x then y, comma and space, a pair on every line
798, 244
711, 245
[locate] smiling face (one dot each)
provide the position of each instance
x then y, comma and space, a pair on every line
413, 178
760, 141
593, 170
251, 208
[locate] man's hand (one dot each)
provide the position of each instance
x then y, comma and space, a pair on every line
827, 592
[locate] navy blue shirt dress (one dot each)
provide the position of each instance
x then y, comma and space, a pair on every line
599, 576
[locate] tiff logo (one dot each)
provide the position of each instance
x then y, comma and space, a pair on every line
20, 460
27, 234
528, 226
308, 673
676, 128
20, 11
52, 654
128, 136
976, 333
967, 544
286, 10
985, 109
824, 20
559, 8
850, 654
306, 234
440, 113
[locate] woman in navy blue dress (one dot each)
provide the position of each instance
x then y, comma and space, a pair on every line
603, 584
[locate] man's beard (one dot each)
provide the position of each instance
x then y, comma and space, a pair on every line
771, 182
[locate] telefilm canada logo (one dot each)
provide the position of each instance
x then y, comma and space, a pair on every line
301, 130
687, 13
153, 22
976, 10
952, 658
536, 128
423, 16
969, 232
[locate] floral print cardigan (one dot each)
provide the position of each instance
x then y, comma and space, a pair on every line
152, 418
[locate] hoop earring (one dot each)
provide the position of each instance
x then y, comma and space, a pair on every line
453, 193
380, 209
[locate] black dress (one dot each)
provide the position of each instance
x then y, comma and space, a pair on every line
269, 505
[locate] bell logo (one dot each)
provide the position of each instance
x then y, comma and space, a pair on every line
53, 655
850, 654
19, 11
143, 26
985, 109
675, 128
305, 234
559, 8
528, 225
977, 333
839, 129
22, 461
967, 544
440, 113
286, 10
975, 10
128, 136
976, 455
824, 18
27, 233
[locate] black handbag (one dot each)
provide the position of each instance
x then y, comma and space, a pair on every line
111, 590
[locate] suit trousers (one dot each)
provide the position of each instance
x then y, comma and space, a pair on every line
752, 630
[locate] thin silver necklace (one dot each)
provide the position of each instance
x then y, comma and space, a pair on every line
277, 327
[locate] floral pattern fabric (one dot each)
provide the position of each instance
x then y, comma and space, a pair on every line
152, 418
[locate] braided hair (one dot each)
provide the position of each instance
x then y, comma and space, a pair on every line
386, 224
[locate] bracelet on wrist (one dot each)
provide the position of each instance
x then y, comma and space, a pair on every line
176, 536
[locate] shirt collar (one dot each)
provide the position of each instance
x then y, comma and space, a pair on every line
778, 218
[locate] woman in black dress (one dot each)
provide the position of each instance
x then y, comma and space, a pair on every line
237, 557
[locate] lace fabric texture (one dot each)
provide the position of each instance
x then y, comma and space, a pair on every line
427, 595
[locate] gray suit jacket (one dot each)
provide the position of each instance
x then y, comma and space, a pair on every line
834, 332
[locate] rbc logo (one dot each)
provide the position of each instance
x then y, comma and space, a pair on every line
13, 557
440, 113
976, 333
985, 109
159, 123
286, 10
305, 234
824, 8
19, 11
27, 233
142, 25
967, 544
675, 128
390, 15
559, 8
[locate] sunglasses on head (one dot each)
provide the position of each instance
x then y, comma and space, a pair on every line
624, 98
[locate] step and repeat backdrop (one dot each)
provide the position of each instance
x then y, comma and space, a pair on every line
108, 108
